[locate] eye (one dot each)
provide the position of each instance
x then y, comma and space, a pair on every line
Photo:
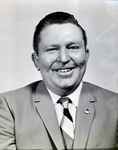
52, 49
74, 47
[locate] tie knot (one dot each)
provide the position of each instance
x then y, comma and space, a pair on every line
64, 101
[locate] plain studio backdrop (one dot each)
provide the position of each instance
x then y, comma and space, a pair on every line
18, 19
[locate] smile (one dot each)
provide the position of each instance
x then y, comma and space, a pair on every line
63, 70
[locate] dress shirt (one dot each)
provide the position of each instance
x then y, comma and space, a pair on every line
72, 107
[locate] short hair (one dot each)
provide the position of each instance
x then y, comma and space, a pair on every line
55, 18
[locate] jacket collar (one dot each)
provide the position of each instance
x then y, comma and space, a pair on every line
45, 109
85, 115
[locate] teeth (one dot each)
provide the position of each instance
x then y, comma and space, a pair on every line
64, 70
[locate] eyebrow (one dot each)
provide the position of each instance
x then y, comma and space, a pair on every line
68, 44
53, 45
72, 43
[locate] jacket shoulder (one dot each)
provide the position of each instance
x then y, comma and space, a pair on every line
101, 93
21, 92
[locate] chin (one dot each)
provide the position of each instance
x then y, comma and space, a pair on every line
67, 86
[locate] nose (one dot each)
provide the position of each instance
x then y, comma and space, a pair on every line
63, 55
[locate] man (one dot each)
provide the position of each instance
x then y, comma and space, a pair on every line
60, 112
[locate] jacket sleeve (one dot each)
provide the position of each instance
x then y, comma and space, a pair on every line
7, 135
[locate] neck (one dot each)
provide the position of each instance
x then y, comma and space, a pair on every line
63, 92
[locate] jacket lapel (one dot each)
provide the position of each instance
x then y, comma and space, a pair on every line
85, 116
45, 109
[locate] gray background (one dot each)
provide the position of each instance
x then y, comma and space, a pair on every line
18, 19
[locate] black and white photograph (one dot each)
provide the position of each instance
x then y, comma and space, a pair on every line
58, 74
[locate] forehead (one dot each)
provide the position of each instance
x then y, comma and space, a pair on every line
60, 33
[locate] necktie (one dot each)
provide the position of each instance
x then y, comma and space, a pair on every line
67, 122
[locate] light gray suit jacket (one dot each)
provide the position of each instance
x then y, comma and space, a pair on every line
28, 119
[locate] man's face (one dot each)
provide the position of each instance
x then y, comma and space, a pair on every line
62, 57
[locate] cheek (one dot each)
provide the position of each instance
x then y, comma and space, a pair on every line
46, 60
79, 59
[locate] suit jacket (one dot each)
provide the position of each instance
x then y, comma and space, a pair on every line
28, 119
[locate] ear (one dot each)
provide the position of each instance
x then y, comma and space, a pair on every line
87, 54
35, 60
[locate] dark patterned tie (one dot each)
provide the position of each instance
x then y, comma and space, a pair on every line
67, 123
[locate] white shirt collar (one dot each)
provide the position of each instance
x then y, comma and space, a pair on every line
73, 96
